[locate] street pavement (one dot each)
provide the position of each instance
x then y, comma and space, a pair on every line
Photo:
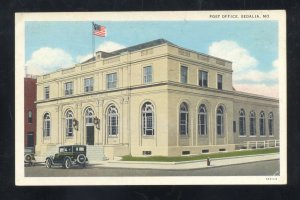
260, 168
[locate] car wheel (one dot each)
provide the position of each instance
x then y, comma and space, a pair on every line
81, 159
67, 163
27, 158
48, 163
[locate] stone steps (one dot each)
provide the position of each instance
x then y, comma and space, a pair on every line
95, 153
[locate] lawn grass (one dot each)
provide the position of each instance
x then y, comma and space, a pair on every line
200, 157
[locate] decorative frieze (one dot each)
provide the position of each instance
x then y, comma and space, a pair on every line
220, 62
111, 60
183, 52
146, 52
67, 71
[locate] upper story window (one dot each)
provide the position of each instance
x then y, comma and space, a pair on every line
46, 92
111, 80
148, 119
262, 123
252, 123
30, 116
88, 84
271, 124
203, 78
242, 123
220, 120
46, 125
69, 88
183, 119
148, 74
220, 82
183, 74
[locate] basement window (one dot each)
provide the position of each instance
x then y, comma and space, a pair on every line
222, 150
205, 151
147, 153
186, 152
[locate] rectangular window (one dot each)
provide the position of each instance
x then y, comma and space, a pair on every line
68, 88
46, 92
219, 125
234, 126
111, 81
88, 84
203, 78
183, 74
30, 116
220, 80
148, 74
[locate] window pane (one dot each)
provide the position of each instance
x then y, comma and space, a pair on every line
183, 74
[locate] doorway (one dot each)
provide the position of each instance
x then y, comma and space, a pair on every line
90, 135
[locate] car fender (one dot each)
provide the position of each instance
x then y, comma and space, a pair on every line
51, 158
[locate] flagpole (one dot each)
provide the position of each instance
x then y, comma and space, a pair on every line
93, 40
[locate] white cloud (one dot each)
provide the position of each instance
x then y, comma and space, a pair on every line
245, 69
107, 46
260, 89
46, 59
230, 50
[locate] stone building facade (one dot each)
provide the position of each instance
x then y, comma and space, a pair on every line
154, 98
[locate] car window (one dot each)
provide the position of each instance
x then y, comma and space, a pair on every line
61, 150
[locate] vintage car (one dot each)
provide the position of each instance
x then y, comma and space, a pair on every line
29, 158
68, 156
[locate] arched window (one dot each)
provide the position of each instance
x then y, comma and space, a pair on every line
148, 119
252, 123
112, 120
271, 124
220, 121
183, 119
46, 125
89, 117
202, 120
69, 123
262, 123
29, 116
242, 123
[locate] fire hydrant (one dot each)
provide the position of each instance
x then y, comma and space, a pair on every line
208, 161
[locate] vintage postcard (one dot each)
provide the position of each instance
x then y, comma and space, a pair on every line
151, 98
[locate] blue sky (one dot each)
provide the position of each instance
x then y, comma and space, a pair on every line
252, 46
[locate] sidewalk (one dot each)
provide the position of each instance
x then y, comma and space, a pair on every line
217, 162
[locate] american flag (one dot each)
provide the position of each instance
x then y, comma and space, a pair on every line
99, 30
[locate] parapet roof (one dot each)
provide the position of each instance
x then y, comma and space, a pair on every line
137, 48
131, 49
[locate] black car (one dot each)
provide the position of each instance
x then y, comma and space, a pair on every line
68, 156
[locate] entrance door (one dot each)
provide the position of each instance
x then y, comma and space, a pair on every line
90, 135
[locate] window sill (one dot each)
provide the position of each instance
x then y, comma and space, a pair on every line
148, 136
113, 136
262, 136
252, 136
202, 135
69, 137
271, 136
242, 136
